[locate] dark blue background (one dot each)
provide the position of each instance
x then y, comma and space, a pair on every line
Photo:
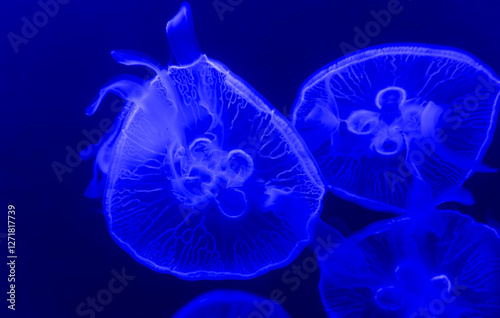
65, 253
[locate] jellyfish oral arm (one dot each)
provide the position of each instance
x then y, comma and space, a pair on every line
322, 115
127, 57
182, 37
429, 119
131, 89
127, 87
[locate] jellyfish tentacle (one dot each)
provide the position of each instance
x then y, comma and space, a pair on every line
110, 136
103, 152
129, 57
182, 37
126, 86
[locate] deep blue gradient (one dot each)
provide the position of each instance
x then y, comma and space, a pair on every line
231, 304
65, 250
400, 268
382, 119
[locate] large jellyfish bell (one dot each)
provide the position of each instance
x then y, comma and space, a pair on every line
402, 268
201, 177
381, 118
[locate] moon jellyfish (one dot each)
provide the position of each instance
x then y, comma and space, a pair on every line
201, 177
402, 268
382, 117
231, 304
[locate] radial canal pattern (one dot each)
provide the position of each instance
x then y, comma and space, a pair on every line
202, 178
380, 118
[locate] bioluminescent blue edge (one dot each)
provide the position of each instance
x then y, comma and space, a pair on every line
115, 145
373, 51
230, 303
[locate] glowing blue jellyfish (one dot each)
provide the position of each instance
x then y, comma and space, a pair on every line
402, 268
201, 177
231, 304
380, 118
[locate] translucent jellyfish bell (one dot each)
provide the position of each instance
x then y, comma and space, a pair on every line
201, 177
231, 304
402, 268
382, 117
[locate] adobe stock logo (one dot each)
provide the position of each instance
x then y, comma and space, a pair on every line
94, 305
30, 27
93, 139
221, 7
438, 305
380, 19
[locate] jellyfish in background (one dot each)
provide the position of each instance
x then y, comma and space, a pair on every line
381, 118
201, 177
231, 304
401, 268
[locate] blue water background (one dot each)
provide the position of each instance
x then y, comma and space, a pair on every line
65, 253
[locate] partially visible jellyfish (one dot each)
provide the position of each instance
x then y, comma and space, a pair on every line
402, 268
231, 304
201, 177
382, 117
